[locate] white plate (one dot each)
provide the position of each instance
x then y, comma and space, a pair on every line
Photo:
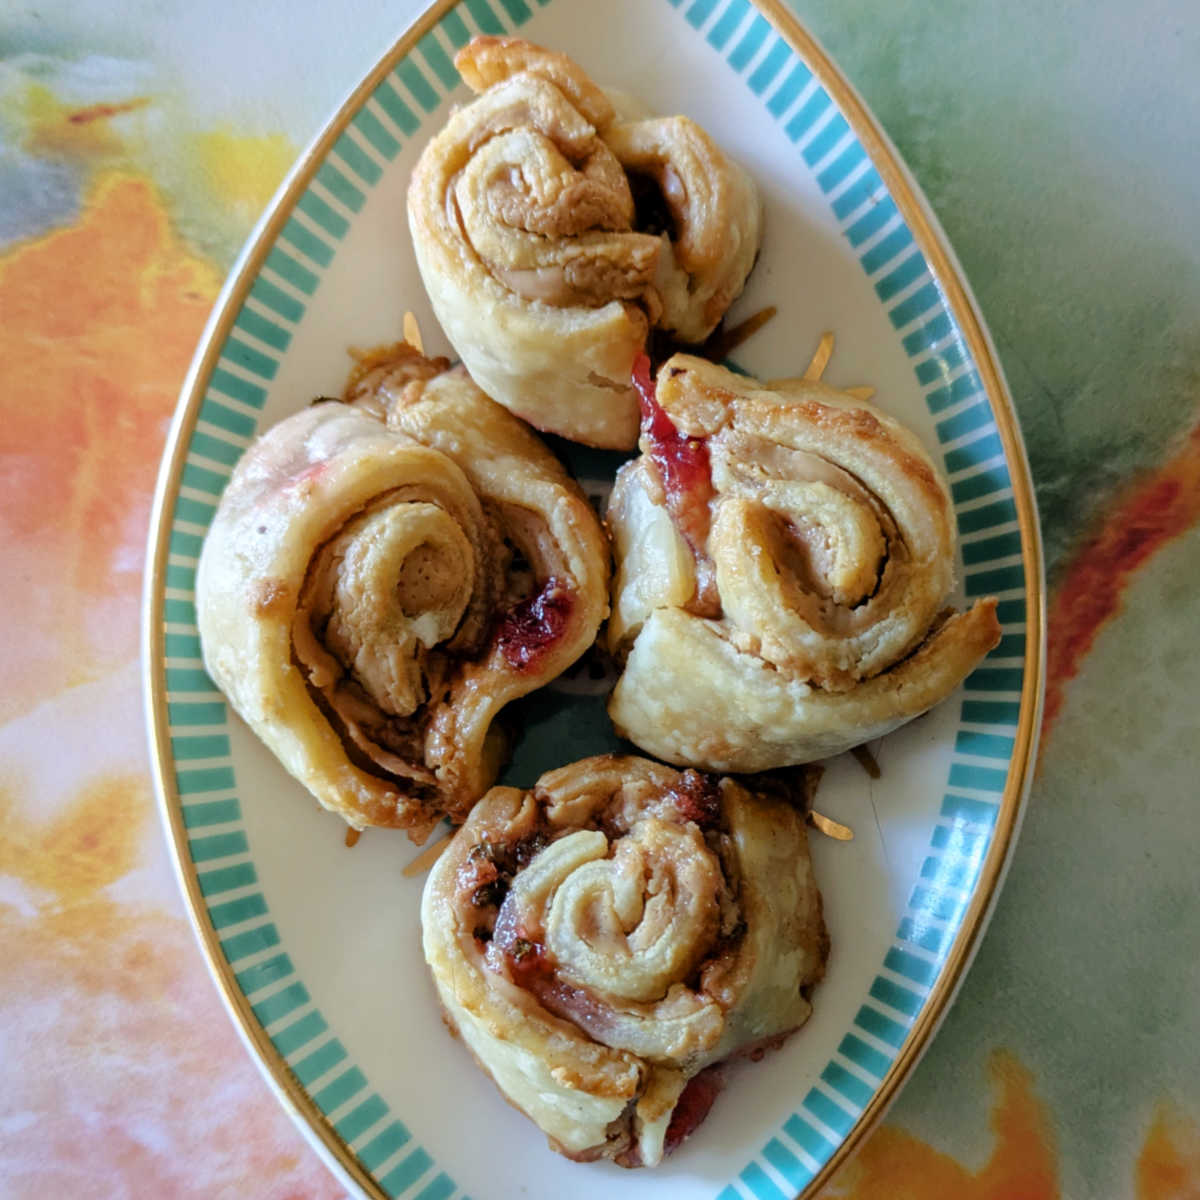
315, 947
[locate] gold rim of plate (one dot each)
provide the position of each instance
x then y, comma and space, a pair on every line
946, 271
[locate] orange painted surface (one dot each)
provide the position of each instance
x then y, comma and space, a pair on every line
125, 1075
1023, 1164
1088, 595
97, 325
1169, 1165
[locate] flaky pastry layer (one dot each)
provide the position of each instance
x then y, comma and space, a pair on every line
546, 269
784, 555
601, 938
383, 575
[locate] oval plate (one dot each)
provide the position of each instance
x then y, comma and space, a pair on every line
314, 947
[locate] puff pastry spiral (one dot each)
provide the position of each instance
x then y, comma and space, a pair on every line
544, 267
600, 939
382, 576
784, 553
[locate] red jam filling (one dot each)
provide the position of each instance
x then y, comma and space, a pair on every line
528, 962
697, 797
482, 881
693, 1106
682, 462
529, 629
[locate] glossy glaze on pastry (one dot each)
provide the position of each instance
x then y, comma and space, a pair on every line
784, 554
552, 234
599, 940
383, 575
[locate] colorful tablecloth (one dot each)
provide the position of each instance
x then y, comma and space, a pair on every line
138, 143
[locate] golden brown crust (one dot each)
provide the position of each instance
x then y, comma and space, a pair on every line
605, 936
541, 272
802, 615
486, 61
365, 595
716, 219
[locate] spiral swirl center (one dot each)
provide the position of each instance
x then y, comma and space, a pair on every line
404, 578
629, 925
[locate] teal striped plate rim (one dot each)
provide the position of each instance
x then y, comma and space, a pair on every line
894, 237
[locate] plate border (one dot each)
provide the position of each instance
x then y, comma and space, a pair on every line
947, 274
950, 278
